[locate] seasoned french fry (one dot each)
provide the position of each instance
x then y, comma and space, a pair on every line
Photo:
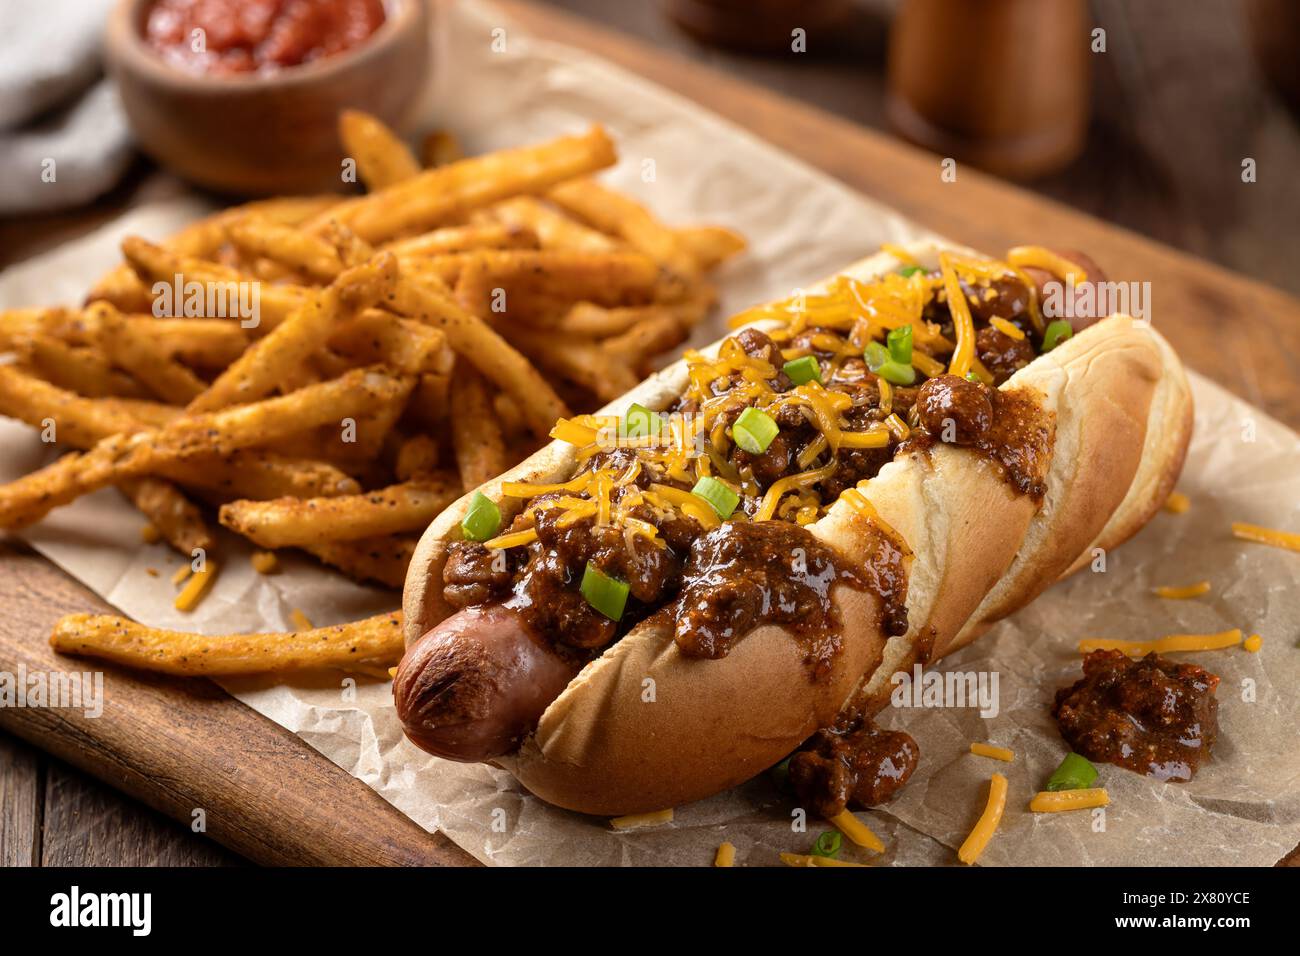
711, 245
376, 640
553, 228
475, 433
440, 147
416, 456
177, 519
405, 345
220, 433
588, 320
486, 350
295, 522
453, 239
382, 159
371, 559
264, 365
259, 475
84, 370
145, 357
531, 286
78, 422
645, 340
621, 216
583, 363
293, 248
199, 343
436, 195
154, 264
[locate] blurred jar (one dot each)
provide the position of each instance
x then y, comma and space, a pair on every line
755, 26
1001, 84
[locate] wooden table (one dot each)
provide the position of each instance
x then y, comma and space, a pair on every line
181, 746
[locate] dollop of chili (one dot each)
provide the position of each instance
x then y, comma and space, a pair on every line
857, 764
226, 37
1152, 716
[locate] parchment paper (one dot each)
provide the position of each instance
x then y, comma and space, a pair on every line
1243, 808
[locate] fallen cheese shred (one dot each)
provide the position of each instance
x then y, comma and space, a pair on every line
1059, 801
988, 822
996, 753
1165, 645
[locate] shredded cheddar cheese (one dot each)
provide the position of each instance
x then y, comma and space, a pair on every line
963, 324
1006, 328
1036, 257
1253, 643
149, 533
995, 753
857, 831
1177, 503
299, 620
183, 572
265, 562
196, 587
1165, 645
987, 824
514, 540
637, 820
1278, 539
726, 855
1182, 593
1058, 801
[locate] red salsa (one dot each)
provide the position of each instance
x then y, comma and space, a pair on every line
257, 36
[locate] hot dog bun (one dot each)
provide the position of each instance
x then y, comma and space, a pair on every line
642, 727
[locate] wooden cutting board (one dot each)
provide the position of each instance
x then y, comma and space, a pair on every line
182, 746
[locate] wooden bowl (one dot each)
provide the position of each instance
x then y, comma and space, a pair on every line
278, 133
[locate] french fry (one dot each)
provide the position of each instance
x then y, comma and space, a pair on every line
259, 475
645, 340
154, 264
376, 640
85, 370
436, 195
295, 522
583, 363
371, 559
374, 335
286, 246
621, 216
263, 366
199, 343
454, 239
145, 357
416, 456
486, 350
588, 320
531, 286
177, 519
78, 422
220, 433
553, 228
382, 159
475, 433
711, 245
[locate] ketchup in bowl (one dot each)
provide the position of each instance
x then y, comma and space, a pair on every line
257, 36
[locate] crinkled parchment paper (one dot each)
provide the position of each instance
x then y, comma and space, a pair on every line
1243, 808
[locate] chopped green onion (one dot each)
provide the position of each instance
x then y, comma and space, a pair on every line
607, 595
482, 520
882, 363
1056, 333
828, 844
972, 377
900, 344
908, 271
721, 498
640, 422
1074, 773
754, 430
803, 370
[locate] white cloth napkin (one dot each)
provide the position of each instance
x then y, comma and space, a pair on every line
64, 138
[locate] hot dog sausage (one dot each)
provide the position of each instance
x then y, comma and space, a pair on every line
472, 687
